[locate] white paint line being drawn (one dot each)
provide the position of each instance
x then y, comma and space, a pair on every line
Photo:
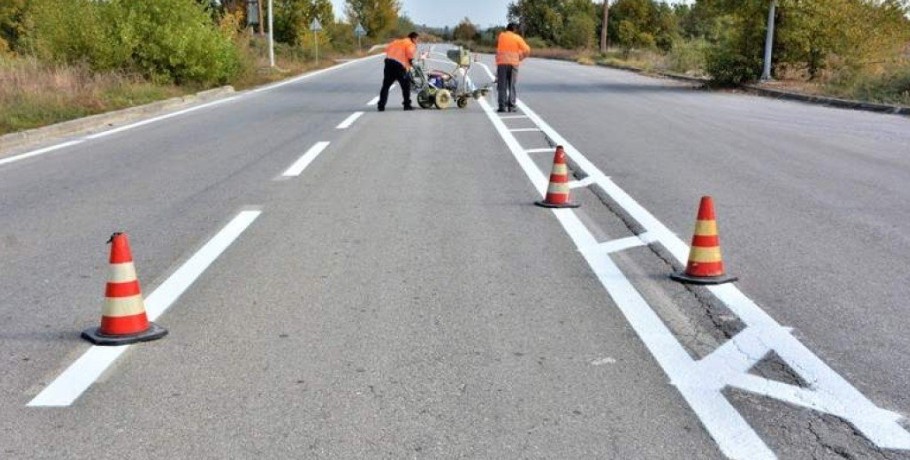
373, 101
543, 150
297, 168
35, 153
181, 112
80, 375
702, 382
349, 120
524, 130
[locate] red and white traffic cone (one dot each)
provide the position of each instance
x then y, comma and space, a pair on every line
558, 190
705, 266
123, 318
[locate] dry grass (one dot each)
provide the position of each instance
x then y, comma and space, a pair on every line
33, 94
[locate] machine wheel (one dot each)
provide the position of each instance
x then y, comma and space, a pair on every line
443, 98
425, 99
462, 102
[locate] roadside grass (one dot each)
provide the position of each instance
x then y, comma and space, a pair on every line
35, 93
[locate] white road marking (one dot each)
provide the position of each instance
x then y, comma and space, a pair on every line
174, 114
297, 168
510, 117
621, 244
80, 375
349, 121
35, 153
582, 183
524, 130
547, 149
373, 101
701, 382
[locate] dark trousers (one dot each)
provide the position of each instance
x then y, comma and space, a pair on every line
393, 72
506, 77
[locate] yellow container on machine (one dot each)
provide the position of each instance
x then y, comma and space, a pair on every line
459, 56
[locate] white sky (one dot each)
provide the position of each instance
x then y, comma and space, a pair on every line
438, 13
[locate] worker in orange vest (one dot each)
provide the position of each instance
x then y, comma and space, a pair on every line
511, 49
398, 61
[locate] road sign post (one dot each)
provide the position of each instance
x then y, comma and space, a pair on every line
359, 31
316, 27
769, 42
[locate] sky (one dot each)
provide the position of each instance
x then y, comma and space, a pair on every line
439, 13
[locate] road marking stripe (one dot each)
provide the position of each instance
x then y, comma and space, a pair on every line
524, 130
297, 168
373, 101
582, 183
159, 118
548, 149
349, 121
64, 390
35, 153
511, 117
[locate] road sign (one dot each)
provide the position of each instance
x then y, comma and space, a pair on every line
359, 31
316, 26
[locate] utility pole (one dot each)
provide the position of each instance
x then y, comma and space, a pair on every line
603, 30
769, 42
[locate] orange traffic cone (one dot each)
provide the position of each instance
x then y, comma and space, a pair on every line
123, 318
705, 263
558, 191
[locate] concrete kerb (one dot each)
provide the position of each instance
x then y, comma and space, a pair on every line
779, 94
92, 123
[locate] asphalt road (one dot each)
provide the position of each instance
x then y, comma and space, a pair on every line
403, 298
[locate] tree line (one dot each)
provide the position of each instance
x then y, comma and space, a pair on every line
201, 42
818, 37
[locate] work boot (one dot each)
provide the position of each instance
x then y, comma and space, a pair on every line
380, 108
407, 107
500, 110
511, 108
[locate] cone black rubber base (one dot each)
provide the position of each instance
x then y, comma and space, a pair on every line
544, 204
154, 332
684, 278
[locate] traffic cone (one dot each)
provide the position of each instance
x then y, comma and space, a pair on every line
123, 319
558, 191
705, 263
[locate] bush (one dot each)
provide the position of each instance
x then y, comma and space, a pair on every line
728, 67
165, 40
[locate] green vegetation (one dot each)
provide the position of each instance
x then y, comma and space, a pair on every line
65, 59
849, 48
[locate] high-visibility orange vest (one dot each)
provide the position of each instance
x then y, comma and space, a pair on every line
402, 50
511, 49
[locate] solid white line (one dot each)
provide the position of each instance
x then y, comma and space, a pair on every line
349, 121
548, 149
64, 390
162, 117
39, 152
621, 244
373, 101
297, 168
524, 130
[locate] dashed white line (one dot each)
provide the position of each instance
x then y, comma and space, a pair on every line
80, 375
349, 121
297, 168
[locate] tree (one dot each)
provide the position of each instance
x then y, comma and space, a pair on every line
379, 17
293, 18
11, 13
465, 31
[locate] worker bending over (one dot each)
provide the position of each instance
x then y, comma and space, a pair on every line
399, 56
511, 49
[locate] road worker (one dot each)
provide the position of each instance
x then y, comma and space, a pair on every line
511, 49
398, 61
